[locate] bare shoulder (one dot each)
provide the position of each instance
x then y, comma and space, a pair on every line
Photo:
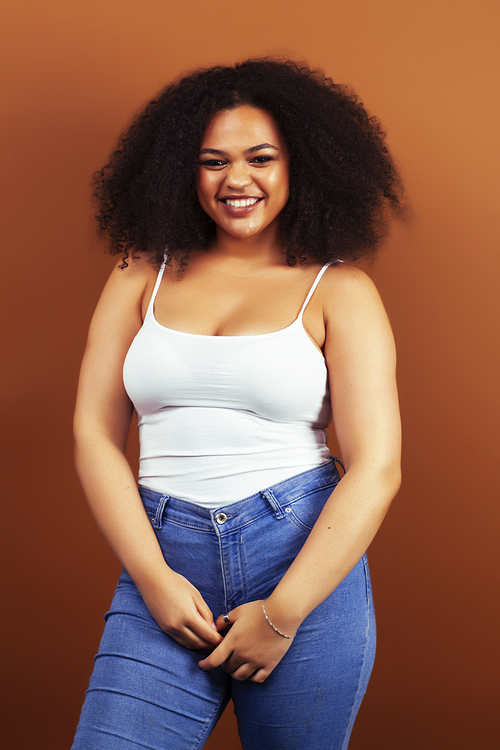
121, 303
346, 287
138, 273
347, 278
354, 315
127, 286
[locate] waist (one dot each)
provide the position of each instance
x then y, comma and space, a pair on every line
222, 478
225, 518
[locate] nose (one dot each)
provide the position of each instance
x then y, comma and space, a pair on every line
238, 176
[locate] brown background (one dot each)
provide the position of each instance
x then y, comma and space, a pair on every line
73, 72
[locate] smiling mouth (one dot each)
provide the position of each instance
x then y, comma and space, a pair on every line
240, 202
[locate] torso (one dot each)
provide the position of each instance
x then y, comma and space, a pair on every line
230, 387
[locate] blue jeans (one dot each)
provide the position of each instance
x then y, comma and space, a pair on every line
147, 691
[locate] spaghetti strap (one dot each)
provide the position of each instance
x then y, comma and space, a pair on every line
315, 284
157, 285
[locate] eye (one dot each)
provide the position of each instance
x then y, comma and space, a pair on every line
213, 163
262, 159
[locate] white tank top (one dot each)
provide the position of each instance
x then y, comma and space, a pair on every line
222, 417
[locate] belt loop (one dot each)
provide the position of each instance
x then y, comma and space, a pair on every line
274, 503
157, 521
338, 461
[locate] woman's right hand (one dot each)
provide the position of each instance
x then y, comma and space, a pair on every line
181, 612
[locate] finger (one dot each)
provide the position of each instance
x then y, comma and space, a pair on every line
206, 631
191, 641
204, 609
218, 656
243, 672
259, 675
222, 624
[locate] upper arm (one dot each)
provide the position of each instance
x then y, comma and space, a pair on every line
102, 403
361, 360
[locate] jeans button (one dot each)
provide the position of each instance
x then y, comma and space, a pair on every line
221, 518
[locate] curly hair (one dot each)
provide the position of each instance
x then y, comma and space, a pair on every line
343, 180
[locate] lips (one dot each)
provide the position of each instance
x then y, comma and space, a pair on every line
240, 206
240, 202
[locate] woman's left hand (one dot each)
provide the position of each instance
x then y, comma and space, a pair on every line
251, 649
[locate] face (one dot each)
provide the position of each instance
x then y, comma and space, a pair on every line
243, 172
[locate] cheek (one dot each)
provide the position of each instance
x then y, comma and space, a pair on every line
204, 189
280, 185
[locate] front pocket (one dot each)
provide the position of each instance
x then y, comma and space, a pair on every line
304, 512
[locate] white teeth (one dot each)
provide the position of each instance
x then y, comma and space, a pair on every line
241, 203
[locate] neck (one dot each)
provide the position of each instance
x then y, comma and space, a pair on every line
263, 250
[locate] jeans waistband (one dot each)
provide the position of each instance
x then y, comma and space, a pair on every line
228, 518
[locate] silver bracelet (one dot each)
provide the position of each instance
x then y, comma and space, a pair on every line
273, 626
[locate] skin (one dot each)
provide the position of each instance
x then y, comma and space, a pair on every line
241, 286
230, 168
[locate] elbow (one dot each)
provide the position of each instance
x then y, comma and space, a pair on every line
397, 481
386, 476
383, 472
387, 482
391, 479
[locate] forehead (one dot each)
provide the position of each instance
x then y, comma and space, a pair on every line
243, 128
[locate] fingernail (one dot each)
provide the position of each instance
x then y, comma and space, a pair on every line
214, 626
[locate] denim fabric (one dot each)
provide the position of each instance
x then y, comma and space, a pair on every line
147, 691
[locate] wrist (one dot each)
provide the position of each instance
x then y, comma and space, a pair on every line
290, 637
151, 579
281, 615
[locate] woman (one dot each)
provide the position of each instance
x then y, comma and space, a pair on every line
244, 573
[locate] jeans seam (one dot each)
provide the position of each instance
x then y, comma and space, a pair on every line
222, 570
313, 490
367, 583
193, 527
202, 736
298, 523
356, 701
294, 518
243, 570
250, 521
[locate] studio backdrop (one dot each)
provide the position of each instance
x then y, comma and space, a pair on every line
73, 73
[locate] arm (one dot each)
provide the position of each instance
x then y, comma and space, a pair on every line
102, 420
359, 351
361, 361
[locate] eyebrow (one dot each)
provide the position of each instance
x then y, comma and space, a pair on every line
248, 151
